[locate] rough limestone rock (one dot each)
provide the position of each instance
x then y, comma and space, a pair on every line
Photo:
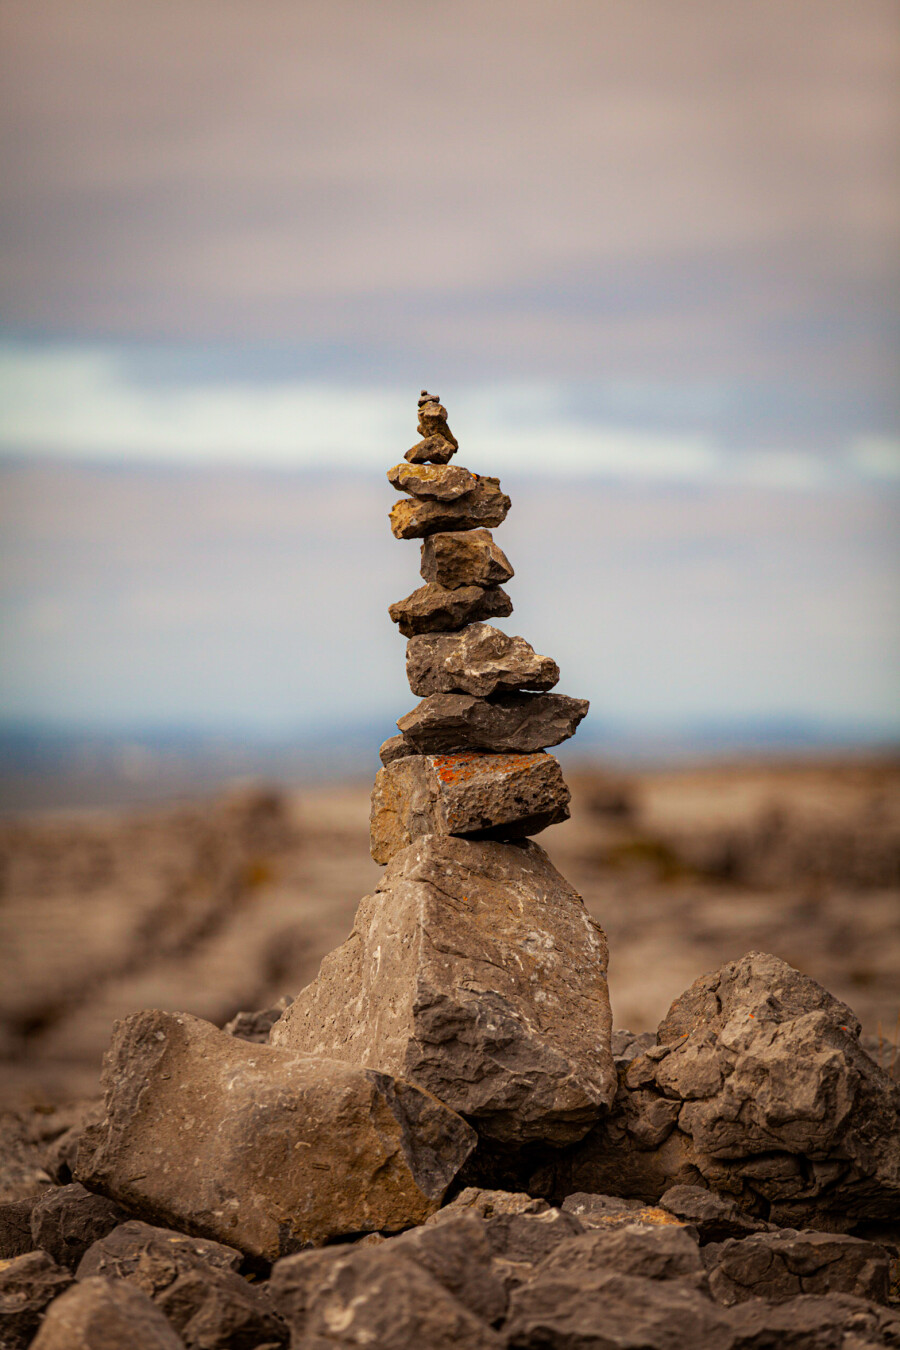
484, 796
485, 506
469, 558
394, 748
192, 1282
479, 975
98, 1315
479, 660
28, 1285
431, 450
508, 723
758, 1088
432, 609
442, 482
266, 1151
15, 1227
65, 1222
785, 1263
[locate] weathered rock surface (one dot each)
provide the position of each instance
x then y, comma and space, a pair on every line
255, 1026
433, 420
15, 1227
266, 1151
487, 1203
432, 609
98, 1315
785, 1263
192, 1282
468, 558
715, 1217
28, 1284
485, 796
507, 723
431, 450
443, 482
608, 1211
483, 506
758, 1088
653, 1252
479, 660
459, 1255
478, 975
65, 1222
394, 748
520, 1243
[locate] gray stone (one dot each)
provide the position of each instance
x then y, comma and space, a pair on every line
98, 1315
262, 1149
15, 1227
65, 1222
479, 660
810, 1322
520, 1243
431, 450
120, 1254
484, 796
785, 1263
442, 482
475, 972
432, 609
458, 1254
28, 1285
467, 558
653, 1252
394, 748
509, 723
484, 506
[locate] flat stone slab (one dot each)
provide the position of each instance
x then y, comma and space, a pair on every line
489, 796
515, 723
267, 1151
464, 558
476, 972
439, 481
484, 505
432, 609
478, 660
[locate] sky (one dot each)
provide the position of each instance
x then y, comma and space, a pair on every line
647, 251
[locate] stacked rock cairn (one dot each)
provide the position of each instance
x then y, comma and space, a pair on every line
470, 757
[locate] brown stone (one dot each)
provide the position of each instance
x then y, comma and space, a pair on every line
99, 1315
264, 1150
478, 660
433, 421
28, 1285
431, 450
443, 483
15, 1227
65, 1222
485, 505
488, 796
476, 972
395, 747
466, 558
508, 723
432, 609
781, 1264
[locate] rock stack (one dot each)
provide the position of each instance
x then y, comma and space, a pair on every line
470, 759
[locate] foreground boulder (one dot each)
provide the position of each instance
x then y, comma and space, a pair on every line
757, 1088
499, 796
98, 1315
506, 724
467, 558
782, 1264
266, 1151
475, 972
28, 1285
433, 609
479, 660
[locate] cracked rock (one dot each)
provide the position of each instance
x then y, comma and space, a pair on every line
443, 482
507, 723
467, 558
483, 506
432, 609
479, 660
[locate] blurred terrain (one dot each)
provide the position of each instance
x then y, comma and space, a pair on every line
227, 903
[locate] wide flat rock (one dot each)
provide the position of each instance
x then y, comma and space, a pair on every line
488, 796
485, 505
441, 482
479, 660
263, 1150
513, 723
474, 971
432, 609
466, 558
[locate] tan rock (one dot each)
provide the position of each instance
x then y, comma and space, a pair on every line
431, 609
488, 796
99, 1315
478, 660
433, 421
474, 971
431, 450
508, 723
484, 505
464, 558
441, 482
266, 1151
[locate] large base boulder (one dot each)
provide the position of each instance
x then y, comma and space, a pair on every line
267, 1151
475, 972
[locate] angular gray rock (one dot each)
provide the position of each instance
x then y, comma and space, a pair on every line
443, 482
508, 723
432, 609
479, 660
28, 1285
467, 558
65, 1222
758, 1088
715, 1217
484, 506
478, 975
653, 1252
431, 450
98, 1315
520, 1243
484, 796
394, 748
782, 1264
458, 1254
264, 1150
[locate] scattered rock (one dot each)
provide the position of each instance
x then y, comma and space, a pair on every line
480, 977
479, 660
431, 450
485, 506
468, 558
98, 1315
458, 1254
432, 609
506, 724
266, 1151
653, 1252
785, 1263
28, 1284
486, 796
65, 1222
521, 1242
608, 1211
394, 748
812, 1323
715, 1217
123, 1252
444, 483
15, 1227
486, 1204
255, 1026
